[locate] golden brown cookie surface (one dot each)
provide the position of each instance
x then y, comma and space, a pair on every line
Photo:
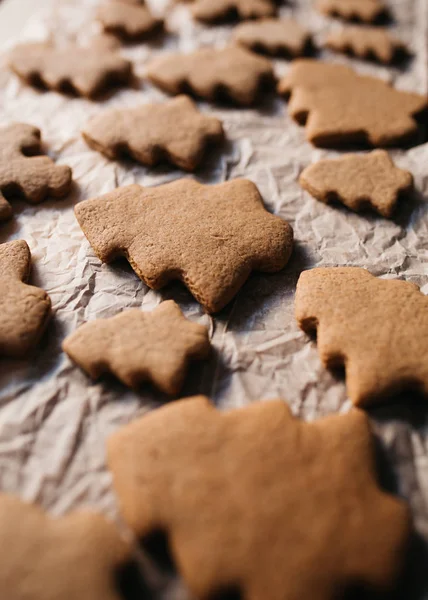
366, 11
86, 71
210, 12
235, 491
128, 20
33, 177
24, 309
77, 557
357, 181
138, 346
274, 37
340, 107
208, 236
174, 131
231, 73
376, 328
366, 43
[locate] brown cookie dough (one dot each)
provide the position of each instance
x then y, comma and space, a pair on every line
340, 107
211, 12
24, 309
138, 346
367, 43
357, 181
210, 237
32, 177
364, 11
276, 37
174, 131
77, 557
376, 328
257, 502
129, 21
86, 71
232, 74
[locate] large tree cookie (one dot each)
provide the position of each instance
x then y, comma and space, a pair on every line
257, 502
211, 12
77, 557
340, 107
277, 37
24, 309
358, 180
128, 21
365, 11
174, 131
138, 346
86, 71
376, 328
367, 43
33, 177
209, 237
232, 73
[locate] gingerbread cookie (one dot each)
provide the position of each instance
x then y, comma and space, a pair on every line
367, 43
208, 236
377, 328
77, 557
86, 71
276, 37
24, 309
128, 21
232, 74
138, 346
223, 486
211, 12
340, 107
174, 131
357, 181
365, 11
33, 177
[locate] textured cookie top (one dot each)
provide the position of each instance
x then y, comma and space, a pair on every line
377, 328
366, 11
33, 177
129, 21
72, 558
358, 180
273, 36
366, 43
86, 71
235, 492
174, 131
341, 107
209, 237
24, 309
210, 12
138, 346
231, 73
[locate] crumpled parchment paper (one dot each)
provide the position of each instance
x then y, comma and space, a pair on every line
53, 419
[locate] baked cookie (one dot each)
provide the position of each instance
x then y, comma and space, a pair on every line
377, 328
138, 346
358, 180
276, 37
220, 10
340, 107
24, 309
85, 71
210, 237
235, 491
129, 21
32, 177
232, 74
367, 43
77, 557
174, 131
364, 11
